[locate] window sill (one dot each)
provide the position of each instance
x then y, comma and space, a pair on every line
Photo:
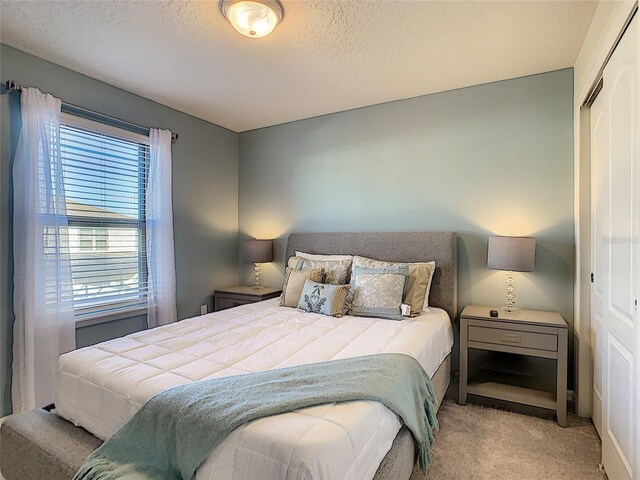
98, 318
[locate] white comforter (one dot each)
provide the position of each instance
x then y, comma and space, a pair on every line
101, 387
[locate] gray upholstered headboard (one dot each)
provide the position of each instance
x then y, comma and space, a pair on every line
394, 247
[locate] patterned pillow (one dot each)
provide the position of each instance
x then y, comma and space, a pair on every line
378, 292
323, 298
336, 272
294, 282
416, 294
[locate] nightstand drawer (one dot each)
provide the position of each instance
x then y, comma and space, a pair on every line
538, 341
222, 303
242, 295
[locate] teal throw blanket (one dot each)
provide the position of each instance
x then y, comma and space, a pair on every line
170, 436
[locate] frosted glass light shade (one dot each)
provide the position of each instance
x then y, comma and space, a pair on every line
252, 18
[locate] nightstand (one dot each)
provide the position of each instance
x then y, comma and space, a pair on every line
234, 296
528, 332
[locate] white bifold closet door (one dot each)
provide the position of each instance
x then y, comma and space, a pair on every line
615, 260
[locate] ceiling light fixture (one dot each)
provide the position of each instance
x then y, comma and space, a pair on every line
252, 18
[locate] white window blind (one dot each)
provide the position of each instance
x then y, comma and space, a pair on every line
105, 176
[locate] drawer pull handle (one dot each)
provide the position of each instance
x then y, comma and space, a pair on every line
510, 337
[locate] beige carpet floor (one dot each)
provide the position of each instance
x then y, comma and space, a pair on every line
477, 443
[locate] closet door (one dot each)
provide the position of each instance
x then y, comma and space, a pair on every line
615, 256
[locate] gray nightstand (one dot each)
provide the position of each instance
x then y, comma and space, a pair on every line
528, 332
234, 296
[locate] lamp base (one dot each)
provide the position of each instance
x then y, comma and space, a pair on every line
511, 294
512, 309
256, 277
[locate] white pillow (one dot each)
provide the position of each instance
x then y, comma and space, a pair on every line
311, 256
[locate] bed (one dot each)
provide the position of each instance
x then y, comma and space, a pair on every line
100, 387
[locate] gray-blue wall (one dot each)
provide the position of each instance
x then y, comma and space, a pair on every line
205, 193
489, 159
494, 158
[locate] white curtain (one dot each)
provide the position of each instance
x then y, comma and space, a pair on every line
159, 220
43, 293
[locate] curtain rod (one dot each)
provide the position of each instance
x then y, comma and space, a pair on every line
11, 86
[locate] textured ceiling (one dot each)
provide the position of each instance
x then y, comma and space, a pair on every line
326, 56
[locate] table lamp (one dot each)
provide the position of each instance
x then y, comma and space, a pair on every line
512, 254
257, 252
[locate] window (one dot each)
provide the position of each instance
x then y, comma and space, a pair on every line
105, 176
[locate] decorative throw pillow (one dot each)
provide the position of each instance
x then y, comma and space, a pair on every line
419, 281
426, 296
294, 282
418, 286
323, 298
336, 272
378, 292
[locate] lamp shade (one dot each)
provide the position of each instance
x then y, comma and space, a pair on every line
258, 251
516, 254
